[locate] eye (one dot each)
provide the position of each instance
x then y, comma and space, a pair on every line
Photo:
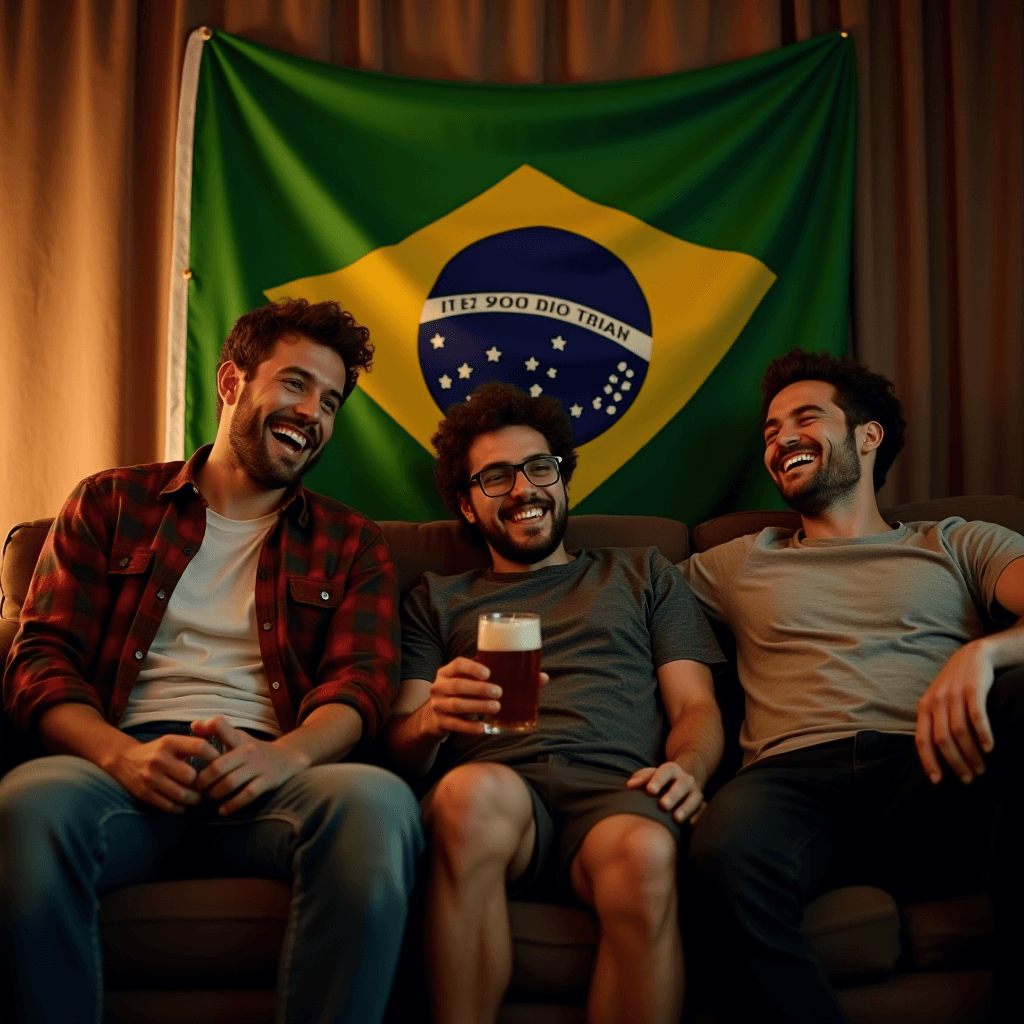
329, 405
293, 383
770, 436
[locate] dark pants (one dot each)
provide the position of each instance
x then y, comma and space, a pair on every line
345, 836
856, 811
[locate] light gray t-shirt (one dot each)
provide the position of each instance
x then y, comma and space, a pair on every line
610, 618
839, 635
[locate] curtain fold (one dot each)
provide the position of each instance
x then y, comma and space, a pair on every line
88, 112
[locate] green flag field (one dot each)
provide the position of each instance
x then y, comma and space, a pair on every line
640, 250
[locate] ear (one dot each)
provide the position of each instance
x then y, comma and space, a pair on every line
229, 382
870, 436
467, 509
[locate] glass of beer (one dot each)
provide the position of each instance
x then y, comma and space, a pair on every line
509, 645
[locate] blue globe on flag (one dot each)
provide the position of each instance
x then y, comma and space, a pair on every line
547, 310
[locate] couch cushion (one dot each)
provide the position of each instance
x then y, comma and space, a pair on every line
855, 931
444, 548
195, 927
940, 931
554, 949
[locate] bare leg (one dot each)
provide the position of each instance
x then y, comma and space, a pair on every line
480, 818
626, 870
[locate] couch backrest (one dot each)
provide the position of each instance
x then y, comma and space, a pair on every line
1004, 509
442, 548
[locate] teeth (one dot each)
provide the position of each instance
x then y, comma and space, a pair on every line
292, 435
795, 460
528, 513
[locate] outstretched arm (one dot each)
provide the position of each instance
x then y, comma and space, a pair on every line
952, 719
694, 746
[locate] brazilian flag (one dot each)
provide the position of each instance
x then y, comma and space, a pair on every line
640, 250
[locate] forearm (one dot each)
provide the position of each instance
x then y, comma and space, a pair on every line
326, 735
696, 740
412, 745
74, 728
1003, 648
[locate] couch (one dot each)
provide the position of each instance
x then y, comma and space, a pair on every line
205, 950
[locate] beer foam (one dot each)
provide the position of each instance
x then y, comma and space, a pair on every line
507, 634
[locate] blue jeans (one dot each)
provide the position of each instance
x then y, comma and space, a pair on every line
345, 836
856, 811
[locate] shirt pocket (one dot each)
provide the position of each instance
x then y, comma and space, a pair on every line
311, 607
130, 563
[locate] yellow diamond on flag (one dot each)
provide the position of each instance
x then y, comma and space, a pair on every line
532, 283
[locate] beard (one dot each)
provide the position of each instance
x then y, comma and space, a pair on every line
830, 483
536, 549
247, 436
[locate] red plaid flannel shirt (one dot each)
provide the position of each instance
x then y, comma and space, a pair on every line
326, 599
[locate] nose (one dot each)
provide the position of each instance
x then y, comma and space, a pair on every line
309, 406
521, 486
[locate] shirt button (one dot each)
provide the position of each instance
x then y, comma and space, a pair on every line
266, 625
324, 595
188, 551
124, 562
263, 574
139, 655
160, 595
275, 686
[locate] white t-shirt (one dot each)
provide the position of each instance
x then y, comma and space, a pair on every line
846, 634
205, 659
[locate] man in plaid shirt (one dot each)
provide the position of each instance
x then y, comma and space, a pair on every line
201, 644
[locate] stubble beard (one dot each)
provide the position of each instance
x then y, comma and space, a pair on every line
831, 484
247, 436
532, 551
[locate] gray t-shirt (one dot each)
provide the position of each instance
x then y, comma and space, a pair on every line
839, 635
609, 619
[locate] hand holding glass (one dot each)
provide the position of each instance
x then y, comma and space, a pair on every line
509, 645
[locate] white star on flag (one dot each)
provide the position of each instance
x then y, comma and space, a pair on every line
493, 354
558, 343
531, 365
464, 371
535, 390
445, 381
437, 341
596, 403
552, 373
576, 410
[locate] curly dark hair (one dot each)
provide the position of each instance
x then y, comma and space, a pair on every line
491, 407
863, 396
255, 333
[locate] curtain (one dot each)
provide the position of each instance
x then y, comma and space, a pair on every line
88, 107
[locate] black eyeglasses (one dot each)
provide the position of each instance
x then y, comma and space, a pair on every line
496, 481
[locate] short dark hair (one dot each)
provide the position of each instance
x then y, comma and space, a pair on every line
491, 407
861, 394
255, 333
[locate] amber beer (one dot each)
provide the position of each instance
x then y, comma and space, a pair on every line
509, 645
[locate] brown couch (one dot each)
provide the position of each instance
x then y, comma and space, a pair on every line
205, 950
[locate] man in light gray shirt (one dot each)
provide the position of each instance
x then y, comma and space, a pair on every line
884, 695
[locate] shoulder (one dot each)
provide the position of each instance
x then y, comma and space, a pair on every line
337, 520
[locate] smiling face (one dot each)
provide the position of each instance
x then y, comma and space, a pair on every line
810, 452
523, 528
284, 416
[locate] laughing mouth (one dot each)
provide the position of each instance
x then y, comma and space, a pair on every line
527, 514
290, 437
796, 459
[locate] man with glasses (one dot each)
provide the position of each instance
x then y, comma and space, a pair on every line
593, 800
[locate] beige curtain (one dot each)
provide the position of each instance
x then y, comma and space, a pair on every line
88, 104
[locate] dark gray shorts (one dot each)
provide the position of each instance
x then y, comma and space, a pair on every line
569, 799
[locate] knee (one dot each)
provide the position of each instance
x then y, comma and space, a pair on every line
470, 815
635, 873
371, 801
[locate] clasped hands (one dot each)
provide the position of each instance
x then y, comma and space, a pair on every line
158, 772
